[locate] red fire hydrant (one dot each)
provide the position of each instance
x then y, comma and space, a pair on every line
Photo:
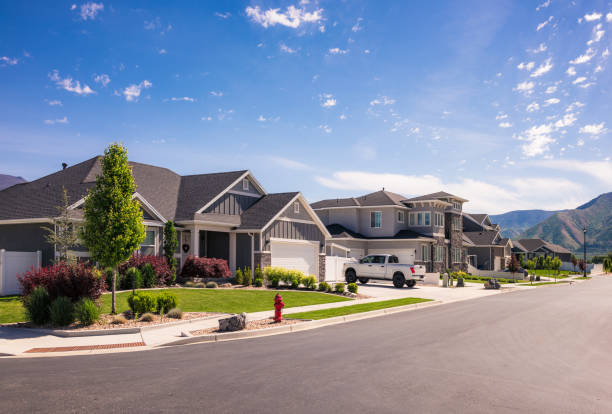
278, 306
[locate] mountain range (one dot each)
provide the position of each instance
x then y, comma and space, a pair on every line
7, 181
514, 223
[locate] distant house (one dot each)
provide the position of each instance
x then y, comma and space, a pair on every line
486, 248
224, 215
531, 248
422, 230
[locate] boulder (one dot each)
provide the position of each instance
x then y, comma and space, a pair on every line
233, 323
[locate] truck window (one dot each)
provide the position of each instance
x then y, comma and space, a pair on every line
379, 259
393, 259
367, 259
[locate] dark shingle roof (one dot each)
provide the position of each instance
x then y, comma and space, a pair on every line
339, 231
479, 218
437, 195
532, 245
335, 202
518, 246
482, 238
378, 198
260, 213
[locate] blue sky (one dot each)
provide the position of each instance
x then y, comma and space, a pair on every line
504, 103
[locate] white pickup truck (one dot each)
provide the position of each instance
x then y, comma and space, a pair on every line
384, 267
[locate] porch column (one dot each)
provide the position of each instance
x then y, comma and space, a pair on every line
195, 241
232, 252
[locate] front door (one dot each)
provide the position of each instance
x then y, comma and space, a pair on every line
214, 244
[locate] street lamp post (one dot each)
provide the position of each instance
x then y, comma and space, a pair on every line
584, 245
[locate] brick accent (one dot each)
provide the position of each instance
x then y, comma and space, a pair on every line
263, 260
322, 267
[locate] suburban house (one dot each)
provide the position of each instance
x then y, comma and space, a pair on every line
531, 248
487, 249
226, 215
423, 230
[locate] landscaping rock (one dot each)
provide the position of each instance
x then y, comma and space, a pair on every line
225, 285
233, 323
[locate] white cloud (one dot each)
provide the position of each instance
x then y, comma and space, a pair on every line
382, 100
55, 103
322, 28
593, 129
327, 100
342, 117
571, 71
132, 92
574, 105
69, 84
73, 7
102, 79
357, 27
542, 69
290, 164
326, 128
601, 170
567, 120
223, 15
551, 101
543, 24
184, 98
598, 34
525, 87
337, 51
261, 118
609, 17
543, 5
538, 139
526, 66
216, 93
5, 60
551, 89
367, 51
505, 124
293, 17
592, 17
89, 10
284, 48
579, 80
580, 142
605, 53
532, 107
501, 115
588, 55
598, 69
63, 120
162, 51
541, 48
206, 118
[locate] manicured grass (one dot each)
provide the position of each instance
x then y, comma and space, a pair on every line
550, 273
582, 278
350, 309
230, 300
11, 309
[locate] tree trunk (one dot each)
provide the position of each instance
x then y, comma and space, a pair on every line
114, 310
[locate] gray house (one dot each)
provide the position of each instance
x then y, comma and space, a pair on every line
531, 248
486, 248
423, 230
225, 215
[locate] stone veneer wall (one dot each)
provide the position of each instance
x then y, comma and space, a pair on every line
263, 260
322, 267
439, 266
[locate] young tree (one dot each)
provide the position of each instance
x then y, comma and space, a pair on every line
607, 264
574, 262
581, 265
555, 264
513, 265
170, 244
114, 226
62, 234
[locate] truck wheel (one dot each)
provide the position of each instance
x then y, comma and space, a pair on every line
363, 280
410, 283
398, 280
350, 276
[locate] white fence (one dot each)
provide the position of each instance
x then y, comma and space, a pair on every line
334, 266
13, 264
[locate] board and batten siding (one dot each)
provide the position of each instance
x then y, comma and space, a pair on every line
243, 250
26, 238
284, 229
232, 204
252, 189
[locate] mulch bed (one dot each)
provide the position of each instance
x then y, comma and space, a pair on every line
251, 325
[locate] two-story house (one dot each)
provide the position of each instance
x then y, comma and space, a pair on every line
486, 248
423, 230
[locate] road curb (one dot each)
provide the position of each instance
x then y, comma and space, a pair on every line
299, 327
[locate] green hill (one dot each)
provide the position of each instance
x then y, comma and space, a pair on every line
513, 223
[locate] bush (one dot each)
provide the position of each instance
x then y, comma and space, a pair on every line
274, 275
212, 285
132, 279
62, 311
189, 283
37, 305
309, 282
142, 302
86, 311
200, 285
238, 277
247, 276
148, 275
75, 281
147, 317
128, 314
205, 267
258, 282
165, 302
352, 287
537, 278
292, 278
324, 287
175, 313
118, 320
259, 274
339, 288
164, 274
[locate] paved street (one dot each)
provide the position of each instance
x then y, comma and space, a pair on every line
539, 350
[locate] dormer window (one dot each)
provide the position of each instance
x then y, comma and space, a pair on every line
245, 184
296, 207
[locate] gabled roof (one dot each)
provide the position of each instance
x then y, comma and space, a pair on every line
479, 218
339, 231
335, 202
517, 246
532, 245
264, 210
483, 238
440, 195
378, 198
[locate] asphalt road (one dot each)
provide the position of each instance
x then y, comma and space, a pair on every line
545, 350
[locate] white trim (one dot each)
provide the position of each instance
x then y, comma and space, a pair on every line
309, 210
296, 220
339, 246
381, 206
262, 251
403, 213
281, 240
27, 221
77, 204
232, 185
152, 223
148, 206
296, 207
228, 227
245, 181
376, 240
381, 219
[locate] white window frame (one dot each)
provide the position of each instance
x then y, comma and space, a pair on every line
400, 216
154, 245
245, 184
426, 219
457, 205
411, 219
456, 253
379, 222
419, 221
425, 253
439, 253
296, 207
438, 219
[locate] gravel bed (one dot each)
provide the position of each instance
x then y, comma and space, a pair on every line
251, 325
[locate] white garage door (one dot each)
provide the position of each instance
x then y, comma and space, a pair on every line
297, 256
405, 256
356, 253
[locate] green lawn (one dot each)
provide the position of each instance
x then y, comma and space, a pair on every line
549, 273
582, 278
542, 283
11, 309
350, 309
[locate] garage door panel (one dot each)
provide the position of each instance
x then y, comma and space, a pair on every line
295, 256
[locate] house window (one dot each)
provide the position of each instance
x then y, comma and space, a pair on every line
419, 219
457, 205
411, 219
425, 253
147, 247
427, 218
456, 255
400, 216
296, 207
456, 223
245, 184
439, 254
438, 219
375, 219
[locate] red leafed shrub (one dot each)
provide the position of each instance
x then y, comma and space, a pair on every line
163, 272
74, 281
205, 267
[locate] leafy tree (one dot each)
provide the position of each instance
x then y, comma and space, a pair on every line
607, 264
170, 244
574, 262
582, 265
114, 226
513, 265
521, 259
555, 264
62, 234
